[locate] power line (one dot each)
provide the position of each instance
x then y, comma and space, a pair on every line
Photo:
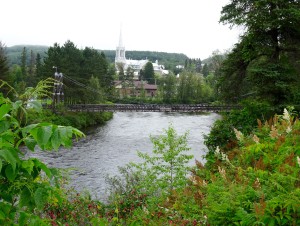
82, 85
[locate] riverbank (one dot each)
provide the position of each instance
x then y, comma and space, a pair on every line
79, 120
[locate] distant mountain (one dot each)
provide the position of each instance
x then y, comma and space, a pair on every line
14, 52
170, 60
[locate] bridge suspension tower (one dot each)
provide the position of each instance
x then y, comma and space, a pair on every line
58, 92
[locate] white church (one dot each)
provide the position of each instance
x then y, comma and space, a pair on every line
136, 65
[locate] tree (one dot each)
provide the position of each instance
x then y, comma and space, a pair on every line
24, 62
270, 46
168, 89
205, 70
4, 69
77, 66
159, 174
149, 73
38, 61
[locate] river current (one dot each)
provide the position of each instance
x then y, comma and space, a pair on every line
115, 144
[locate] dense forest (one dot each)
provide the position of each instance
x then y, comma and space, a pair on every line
89, 73
169, 60
251, 174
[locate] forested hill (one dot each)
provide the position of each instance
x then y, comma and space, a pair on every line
170, 60
14, 52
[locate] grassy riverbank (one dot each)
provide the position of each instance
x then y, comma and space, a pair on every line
251, 175
79, 120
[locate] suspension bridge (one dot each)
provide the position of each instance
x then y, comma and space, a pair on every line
150, 108
58, 97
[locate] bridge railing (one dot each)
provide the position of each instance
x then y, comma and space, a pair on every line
151, 107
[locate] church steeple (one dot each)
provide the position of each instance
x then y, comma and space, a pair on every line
120, 50
121, 38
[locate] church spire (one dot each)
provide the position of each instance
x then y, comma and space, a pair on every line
121, 38
120, 50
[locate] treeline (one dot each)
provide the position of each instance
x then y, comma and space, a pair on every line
14, 53
169, 60
265, 64
87, 75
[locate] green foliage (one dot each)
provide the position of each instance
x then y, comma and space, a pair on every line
4, 69
24, 188
245, 120
266, 61
160, 175
257, 181
74, 209
148, 73
79, 68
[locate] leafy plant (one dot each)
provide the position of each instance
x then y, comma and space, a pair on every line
157, 178
27, 184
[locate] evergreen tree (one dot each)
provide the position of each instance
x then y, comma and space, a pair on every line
269, 49
4, 69
149, 73
38, 61
24, 62
205, 70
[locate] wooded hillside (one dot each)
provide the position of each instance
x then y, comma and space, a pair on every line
170, 60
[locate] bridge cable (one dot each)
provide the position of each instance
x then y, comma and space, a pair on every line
82, 85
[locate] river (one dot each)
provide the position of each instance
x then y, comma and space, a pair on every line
116, 143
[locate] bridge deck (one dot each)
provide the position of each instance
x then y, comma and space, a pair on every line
150, 108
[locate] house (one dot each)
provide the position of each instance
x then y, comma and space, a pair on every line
135, 88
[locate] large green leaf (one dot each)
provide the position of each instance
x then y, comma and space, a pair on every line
40, 197
10, 173
65, 135
7, 155
43, 135
4, 125
55, 139
43, 167
30, 143
28, 165
4, 109
26, 198
36, 105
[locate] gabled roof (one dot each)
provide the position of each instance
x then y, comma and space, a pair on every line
138, 85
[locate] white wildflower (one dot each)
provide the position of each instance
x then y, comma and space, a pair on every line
298, 160
255, 139
194, 181
286, 115
145, 210
274, 132
288, 130
239, 135
217, 151
222, 172
224, 157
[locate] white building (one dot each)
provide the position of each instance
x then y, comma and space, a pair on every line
136, 65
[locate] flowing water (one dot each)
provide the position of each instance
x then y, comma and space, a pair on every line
115, 144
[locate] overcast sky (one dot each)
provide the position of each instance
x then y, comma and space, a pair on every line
179, 26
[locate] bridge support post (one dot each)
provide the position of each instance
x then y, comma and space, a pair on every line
58, 94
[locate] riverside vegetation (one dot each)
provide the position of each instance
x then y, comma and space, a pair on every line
252, 180
252, 167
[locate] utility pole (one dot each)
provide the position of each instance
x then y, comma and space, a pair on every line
58, 93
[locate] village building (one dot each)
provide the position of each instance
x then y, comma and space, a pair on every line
135, 88
136, 65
